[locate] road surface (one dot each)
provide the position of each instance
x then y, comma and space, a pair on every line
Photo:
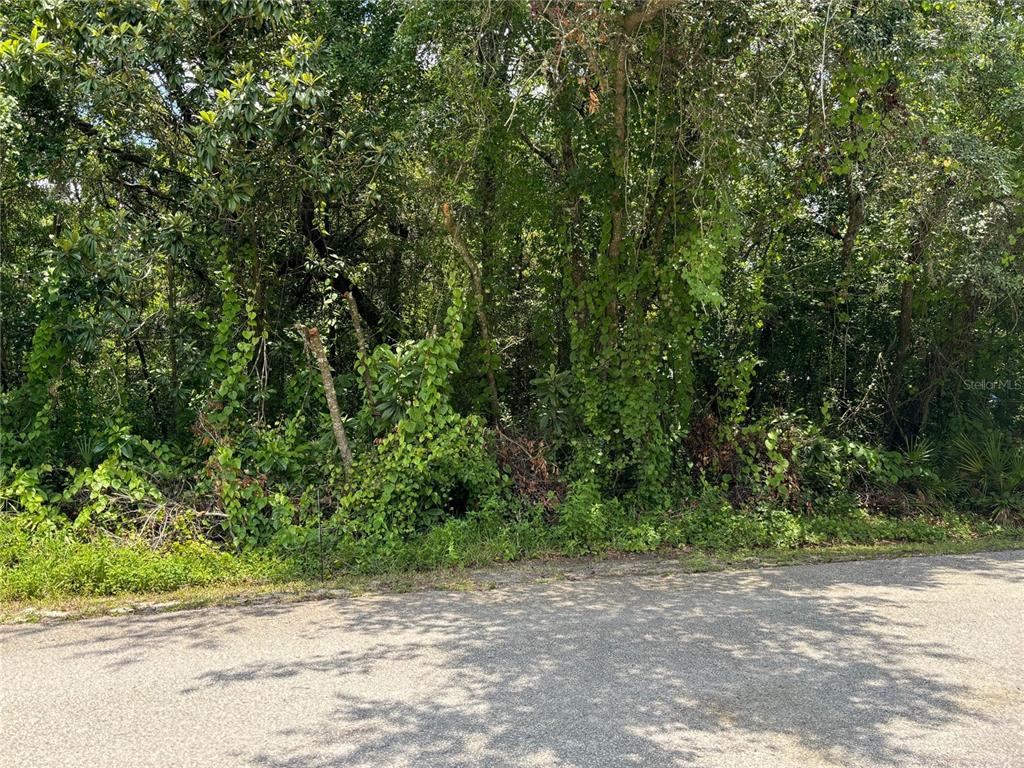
913, 662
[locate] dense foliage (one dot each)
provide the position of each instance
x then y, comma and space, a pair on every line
588, 275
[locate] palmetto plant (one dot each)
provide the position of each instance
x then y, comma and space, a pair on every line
991, 468
88, 448
920, 451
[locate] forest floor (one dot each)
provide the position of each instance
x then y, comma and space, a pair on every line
908, 661
539, 570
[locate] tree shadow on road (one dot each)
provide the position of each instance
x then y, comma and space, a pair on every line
656, 671
840, 665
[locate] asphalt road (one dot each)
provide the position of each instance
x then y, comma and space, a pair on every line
915, 662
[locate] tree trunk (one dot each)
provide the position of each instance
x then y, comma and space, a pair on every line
150, 389
918, 249
364, 358
172, 337
313, 339
619, 179
854, 221
478, 293
630, 22
923, 233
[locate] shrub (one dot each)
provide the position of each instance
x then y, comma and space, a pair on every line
642, 537
585, 518
714, 523
408, 483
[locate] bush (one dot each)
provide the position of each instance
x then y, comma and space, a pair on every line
642, 537
714, 523
586, 519
408, 484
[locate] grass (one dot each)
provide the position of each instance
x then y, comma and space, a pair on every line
201, 576
34, 566
834, 553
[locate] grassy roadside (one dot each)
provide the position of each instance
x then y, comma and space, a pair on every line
663, 562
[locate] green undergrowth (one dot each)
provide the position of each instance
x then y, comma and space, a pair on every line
57, 564
50, 565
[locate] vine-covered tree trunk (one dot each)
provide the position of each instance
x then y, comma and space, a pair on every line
478, 295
